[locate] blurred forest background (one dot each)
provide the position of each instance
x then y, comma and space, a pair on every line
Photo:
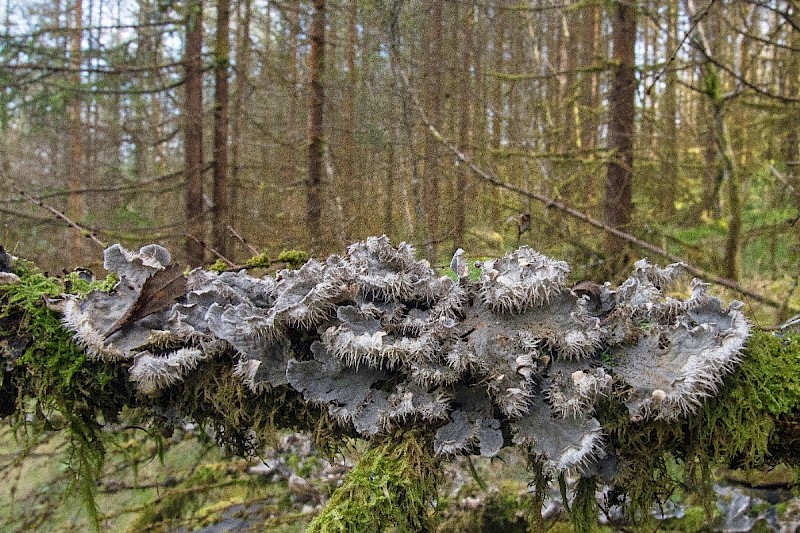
448, 123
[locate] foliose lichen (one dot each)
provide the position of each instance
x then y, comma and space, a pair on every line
379, 339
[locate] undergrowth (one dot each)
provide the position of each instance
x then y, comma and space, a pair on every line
392, 486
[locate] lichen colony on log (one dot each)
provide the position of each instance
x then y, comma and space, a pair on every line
381, 341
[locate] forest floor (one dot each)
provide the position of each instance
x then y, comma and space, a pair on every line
194, 487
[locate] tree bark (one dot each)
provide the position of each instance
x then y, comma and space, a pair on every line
193, 134
589, 89
670, 163
315, 133
239, 90
433, 86
350, 179
220, 220
465, 113
75, 134
618, 201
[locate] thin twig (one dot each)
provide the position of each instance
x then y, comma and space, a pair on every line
87, 232
212, 250
253, 249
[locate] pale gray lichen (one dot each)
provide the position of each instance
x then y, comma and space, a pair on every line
93, 317
152, 373
521, 280
561, 443
572, 389
674, 367
471, 425
381, 341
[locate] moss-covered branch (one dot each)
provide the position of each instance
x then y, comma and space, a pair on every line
611, 383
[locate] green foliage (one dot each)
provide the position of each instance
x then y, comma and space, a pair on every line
78, 285
392, 486
583, 513
218, 266
291, 258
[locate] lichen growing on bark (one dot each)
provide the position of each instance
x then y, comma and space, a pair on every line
387, 342
374, 343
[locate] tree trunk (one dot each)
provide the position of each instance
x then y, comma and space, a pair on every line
316, 133
290, 158
193, 135
465, 113
350, 180
239, 89
589, 89
618, 203
670, 162
390, 190
733, 246
220, 219
75, 134
433, 86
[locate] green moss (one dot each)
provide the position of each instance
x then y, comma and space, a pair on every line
52, 376
392, 486
739, 425
583, 513
293, 258
218, 266
75, 284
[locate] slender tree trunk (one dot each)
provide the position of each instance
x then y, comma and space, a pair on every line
290, 160
618, 202
431, 176
75, 133
791, 148
733, 246
193, 135
391, 196
350, 179
498, 48
220, 220
670, 163
465, 113
316, 133
239, 89
589, 91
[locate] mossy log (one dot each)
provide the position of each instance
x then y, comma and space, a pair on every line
609, 383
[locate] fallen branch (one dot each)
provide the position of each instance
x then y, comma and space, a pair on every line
592, 379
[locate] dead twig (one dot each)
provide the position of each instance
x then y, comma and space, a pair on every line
253, 249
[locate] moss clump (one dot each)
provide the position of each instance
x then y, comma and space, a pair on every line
52, 376
293, 258
218, 266
75, 284
741, 425
392, 486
